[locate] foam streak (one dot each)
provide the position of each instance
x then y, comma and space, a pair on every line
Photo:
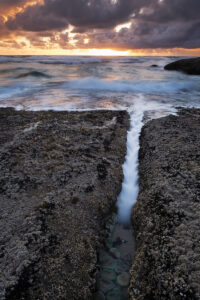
130, 188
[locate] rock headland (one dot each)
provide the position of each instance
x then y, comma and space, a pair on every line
189, 66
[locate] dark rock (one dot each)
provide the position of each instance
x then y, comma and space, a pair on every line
108, 274
54, 199
115, 252
166, 216
109, 263
102, 172
123, 279
117, 242
114, 295
99, 296
105, 285
189, 66
154, 66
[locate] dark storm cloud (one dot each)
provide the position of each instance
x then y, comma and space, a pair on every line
171, 10
35, 18
146, 35
166, 24
155, 23
6, 4
80, 13
93, 13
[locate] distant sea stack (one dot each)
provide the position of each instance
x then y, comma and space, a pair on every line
189, 66
166, 217
61, 173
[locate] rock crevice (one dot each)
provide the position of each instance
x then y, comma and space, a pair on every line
166, 217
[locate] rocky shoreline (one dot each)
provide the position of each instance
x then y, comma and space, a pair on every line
61, 173
166, 217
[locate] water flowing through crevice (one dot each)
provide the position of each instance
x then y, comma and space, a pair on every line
117, 254
129, 192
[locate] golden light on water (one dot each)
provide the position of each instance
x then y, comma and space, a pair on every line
106, 52
59, 51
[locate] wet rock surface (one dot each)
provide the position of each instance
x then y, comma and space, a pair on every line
60, 176
115, 262
166, 217
189, 66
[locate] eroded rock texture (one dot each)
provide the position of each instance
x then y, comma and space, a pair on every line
166, 217
60, 174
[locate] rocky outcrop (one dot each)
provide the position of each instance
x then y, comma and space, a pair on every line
189, 66
166, 217
60, 174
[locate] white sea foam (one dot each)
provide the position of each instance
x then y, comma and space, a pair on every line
129, 192
141, 86
17, 89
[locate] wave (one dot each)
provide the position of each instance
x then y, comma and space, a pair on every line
18, 89
70, 60
33, 74
9, 70
131, 60
10, 59
145, 87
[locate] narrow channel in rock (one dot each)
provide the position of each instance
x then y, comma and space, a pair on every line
117, 254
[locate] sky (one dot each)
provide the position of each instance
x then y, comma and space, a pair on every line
100, 27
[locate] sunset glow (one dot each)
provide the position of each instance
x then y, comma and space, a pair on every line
58, 28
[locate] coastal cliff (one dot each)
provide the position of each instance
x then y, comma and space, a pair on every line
166, 217
61, 173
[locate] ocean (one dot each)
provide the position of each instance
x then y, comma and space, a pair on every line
87, 83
